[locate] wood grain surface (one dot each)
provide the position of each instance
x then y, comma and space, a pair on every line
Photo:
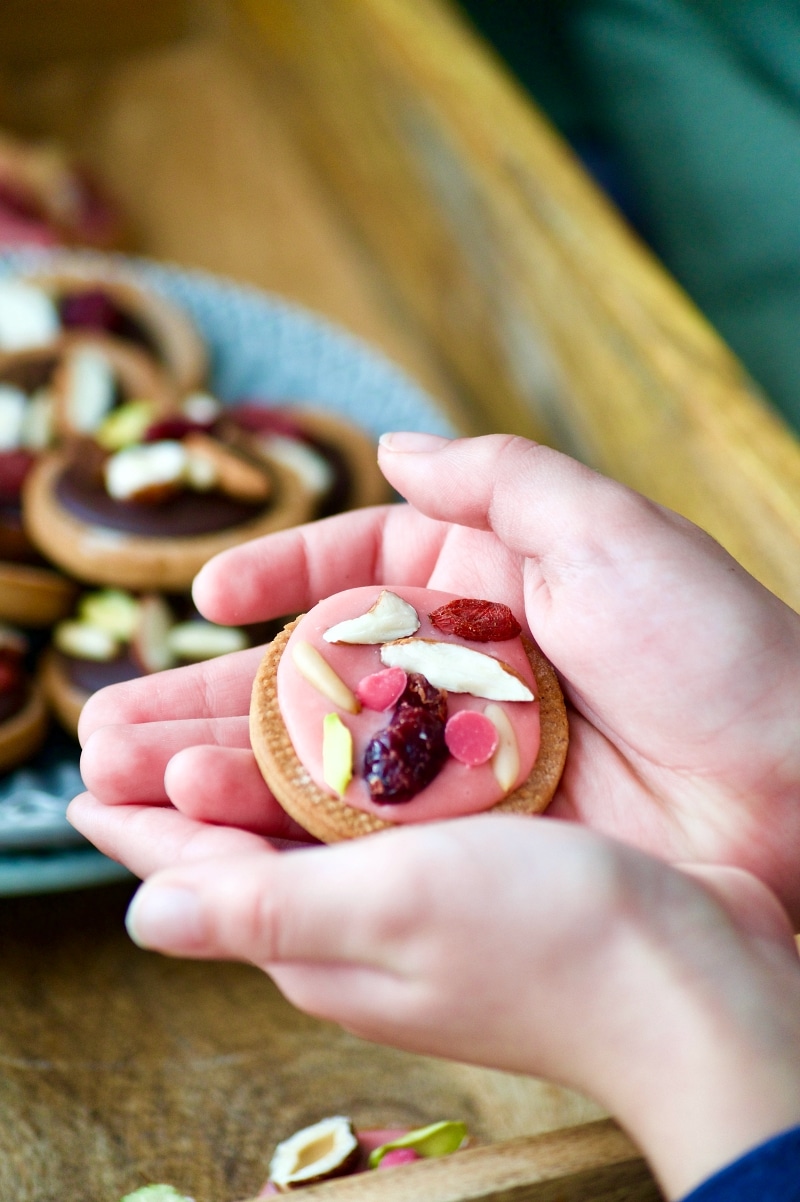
119, 1067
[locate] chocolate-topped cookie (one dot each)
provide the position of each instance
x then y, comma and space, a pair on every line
23, 714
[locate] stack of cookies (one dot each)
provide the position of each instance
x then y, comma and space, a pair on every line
121, 474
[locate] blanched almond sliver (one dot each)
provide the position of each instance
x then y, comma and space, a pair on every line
89, 389
13, 403
318, 672
505, 761
458, 669
390, 617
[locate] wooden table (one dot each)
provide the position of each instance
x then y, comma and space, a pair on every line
370, 160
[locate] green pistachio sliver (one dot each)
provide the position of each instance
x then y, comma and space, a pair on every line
112, 609
439, 1139
126, 424
337, 753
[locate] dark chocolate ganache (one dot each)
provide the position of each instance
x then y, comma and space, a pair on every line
12, 700
96, 309
90, 675
80, 491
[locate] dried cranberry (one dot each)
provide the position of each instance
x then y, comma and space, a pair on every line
90, 308
420, 693
14, 467
19, 203
406, 756
479, 621
173, 428
11, 673
260, 418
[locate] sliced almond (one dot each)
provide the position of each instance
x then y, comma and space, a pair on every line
28, 317
310, 465
197, 640
82, 640
13, 404
457, 669
236, 476
202, 408
314, 668
505, 761
389, 618
89, 384
146, 472
150, 643
38, 425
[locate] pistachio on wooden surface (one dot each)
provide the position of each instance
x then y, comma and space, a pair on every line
326, 1149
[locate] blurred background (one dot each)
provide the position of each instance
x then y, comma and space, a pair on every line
688, 113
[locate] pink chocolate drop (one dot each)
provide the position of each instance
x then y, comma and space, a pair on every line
471, 737
382, 689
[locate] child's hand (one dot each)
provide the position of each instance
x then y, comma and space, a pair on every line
681, 672
537, 947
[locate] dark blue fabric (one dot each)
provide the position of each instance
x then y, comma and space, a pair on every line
770, 1173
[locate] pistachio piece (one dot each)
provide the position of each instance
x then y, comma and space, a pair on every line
126, 424
439, 1139
327, 1149
389, 618
457, 669
318, 672
82, 640
337, 754
111, 609
198, 640
505, 761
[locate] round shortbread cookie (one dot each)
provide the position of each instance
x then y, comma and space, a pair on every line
326, 816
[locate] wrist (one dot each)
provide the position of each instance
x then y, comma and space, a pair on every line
701, 1062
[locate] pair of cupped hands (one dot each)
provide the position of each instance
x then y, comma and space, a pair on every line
521, 943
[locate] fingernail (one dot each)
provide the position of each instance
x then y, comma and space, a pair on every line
166, 918
412, 440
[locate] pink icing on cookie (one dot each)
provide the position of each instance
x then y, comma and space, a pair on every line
459, 788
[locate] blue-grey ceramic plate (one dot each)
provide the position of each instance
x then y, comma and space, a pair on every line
260, 346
